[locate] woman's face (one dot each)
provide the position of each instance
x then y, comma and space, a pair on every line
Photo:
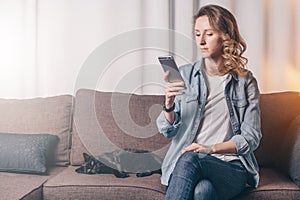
208, 39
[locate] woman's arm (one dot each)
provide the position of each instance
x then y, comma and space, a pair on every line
220, 148
171, 91
169, 122
224, 147
250, 128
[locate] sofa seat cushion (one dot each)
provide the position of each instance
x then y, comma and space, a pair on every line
24, 186
272, 185
71, 185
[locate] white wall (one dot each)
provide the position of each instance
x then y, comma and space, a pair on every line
52, 47
71, 30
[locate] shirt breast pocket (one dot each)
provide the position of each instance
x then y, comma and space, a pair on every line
190, 99
189, 106
239, 103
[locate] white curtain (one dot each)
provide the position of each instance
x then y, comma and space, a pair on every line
18, 36
53, 47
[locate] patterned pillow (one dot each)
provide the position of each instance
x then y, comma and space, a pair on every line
27, 153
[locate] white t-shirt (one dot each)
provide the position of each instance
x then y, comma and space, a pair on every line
215, 125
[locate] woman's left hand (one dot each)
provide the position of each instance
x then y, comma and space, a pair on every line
198, 148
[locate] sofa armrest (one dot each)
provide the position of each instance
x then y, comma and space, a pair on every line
289, 156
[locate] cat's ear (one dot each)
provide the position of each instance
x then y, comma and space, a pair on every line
86, 157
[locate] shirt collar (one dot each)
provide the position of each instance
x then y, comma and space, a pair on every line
234, 75
198, 67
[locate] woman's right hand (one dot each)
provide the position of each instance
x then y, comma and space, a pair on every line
172, 90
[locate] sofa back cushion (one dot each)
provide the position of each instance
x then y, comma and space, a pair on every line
278, 110
51, 115
105, 121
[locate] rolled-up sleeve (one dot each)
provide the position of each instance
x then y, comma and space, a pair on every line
250, 129
165, 127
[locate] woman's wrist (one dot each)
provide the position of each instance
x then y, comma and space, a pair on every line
213, 149
169, 109
223, 147
168, 106
207, 149
169, 103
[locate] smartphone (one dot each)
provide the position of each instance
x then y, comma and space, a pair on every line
168, 64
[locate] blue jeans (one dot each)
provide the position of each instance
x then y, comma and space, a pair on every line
200, 176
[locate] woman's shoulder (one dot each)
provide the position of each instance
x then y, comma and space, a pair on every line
246, 76
246, 80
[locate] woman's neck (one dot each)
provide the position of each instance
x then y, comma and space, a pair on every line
212, 66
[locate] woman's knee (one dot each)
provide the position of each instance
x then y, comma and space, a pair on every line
186, 161
188, 158
205, 190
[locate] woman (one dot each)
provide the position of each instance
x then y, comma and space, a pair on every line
213, 116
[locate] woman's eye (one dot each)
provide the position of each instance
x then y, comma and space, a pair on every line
209, 34
197, 34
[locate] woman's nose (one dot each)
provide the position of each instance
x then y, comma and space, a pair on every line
202, 40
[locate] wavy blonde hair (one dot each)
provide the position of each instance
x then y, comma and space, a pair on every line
233, 44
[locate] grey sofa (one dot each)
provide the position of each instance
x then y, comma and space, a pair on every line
96, 122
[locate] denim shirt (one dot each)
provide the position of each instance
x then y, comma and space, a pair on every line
242, 96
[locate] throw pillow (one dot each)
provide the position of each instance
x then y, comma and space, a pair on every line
291, 151
26, 153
